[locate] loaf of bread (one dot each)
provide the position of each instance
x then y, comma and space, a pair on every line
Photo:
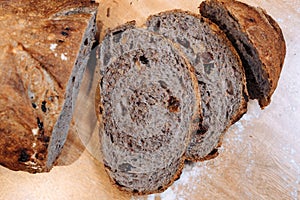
258, 40
219, 72
149, 106
44, 49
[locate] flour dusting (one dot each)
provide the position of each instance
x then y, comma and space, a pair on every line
240, 160
63, 57
279, 20
169, 194
53, 46
195, 176
151, 197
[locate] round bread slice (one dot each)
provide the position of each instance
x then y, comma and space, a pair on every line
149, 107
219, 72
258, 40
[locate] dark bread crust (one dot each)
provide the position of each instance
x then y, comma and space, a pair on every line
174, 175
192, 154
264, 41
42, 61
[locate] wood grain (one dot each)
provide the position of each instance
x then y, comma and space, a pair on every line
259, 158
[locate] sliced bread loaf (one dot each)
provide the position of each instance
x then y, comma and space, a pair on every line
44, 49
149, 106
219, 72
258, 40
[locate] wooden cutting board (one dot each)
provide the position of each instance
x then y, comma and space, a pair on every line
260, 156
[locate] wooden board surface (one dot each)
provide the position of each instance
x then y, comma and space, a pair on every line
260, 156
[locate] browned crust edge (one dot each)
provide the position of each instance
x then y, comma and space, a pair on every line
266, 101
269, 22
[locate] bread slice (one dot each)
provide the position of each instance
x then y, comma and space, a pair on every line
44, 49
219, 72
258, 40
149, 106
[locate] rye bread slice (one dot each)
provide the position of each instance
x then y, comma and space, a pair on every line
149, 106
44, 49
219, 72
258, 40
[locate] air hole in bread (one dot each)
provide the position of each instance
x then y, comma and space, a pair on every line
125, 167
58, 146
86, 42
34, 105
251, 19
40, 123
135, 191
43, 106
144, 60
157, 25
163, 84
230, 89
207, 57
130, 144
100, 110
106, 59
208, 67
111, 138
45, 139
201, 131
40, 155
24, 156
208, 93
64, 33
184, 42
173, 104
